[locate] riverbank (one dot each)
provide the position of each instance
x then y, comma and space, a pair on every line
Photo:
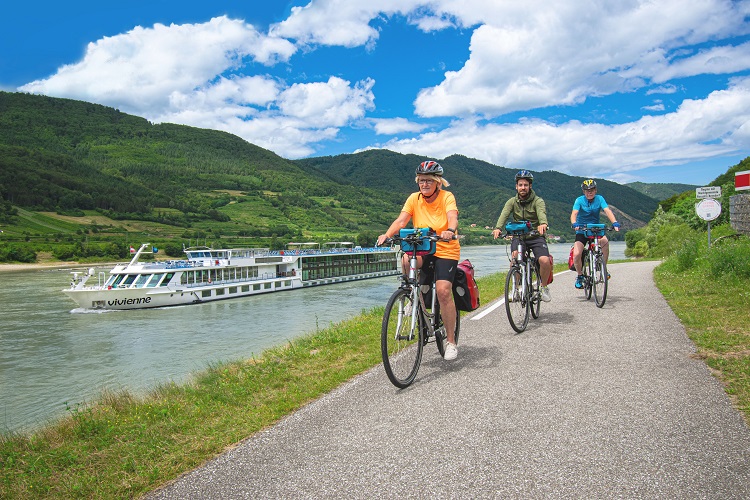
14, 268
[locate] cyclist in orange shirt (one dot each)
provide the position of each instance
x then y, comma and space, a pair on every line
435, 208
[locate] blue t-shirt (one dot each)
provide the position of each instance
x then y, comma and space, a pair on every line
588, 212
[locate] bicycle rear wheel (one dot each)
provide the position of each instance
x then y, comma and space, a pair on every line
441, 337
400, 344
536, 291
587, 277
516, 305
600, 280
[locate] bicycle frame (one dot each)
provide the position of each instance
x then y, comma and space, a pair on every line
403, 335
523, 272
593, 265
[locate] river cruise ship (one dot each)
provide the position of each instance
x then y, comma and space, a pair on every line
209, 274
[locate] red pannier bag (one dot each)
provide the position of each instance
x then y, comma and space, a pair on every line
465, 290
552, 269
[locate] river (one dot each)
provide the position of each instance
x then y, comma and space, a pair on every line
53, 356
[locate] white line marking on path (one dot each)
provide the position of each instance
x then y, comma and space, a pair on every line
499, 303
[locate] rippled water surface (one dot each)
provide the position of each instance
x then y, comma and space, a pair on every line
52, 355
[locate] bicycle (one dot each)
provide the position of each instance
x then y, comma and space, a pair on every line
412, 315
523, 282
593, 264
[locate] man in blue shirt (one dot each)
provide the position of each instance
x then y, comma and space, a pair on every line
586, 211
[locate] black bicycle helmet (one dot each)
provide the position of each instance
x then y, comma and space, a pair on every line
525, 174
430, 167
588, 184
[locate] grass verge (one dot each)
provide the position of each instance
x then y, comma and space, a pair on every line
715, 314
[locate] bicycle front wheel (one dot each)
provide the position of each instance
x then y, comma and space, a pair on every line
400, 344
516, 304
535, 300
441, 338
588, 279
600, 280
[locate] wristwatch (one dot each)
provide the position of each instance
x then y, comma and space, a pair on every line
451, 230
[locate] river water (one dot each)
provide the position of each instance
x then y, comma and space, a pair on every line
53, 356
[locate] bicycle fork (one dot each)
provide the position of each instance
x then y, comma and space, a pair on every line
414, 302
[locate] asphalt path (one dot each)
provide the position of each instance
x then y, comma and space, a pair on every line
586, 403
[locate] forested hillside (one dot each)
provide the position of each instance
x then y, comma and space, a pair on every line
481, 188
660, 191
77, 173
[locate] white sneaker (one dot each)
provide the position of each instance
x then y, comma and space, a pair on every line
451, 351
545, 294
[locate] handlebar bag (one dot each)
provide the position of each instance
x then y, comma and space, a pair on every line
518, 227
594, 230
424, 247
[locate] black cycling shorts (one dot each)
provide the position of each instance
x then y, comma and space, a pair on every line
536, 245
584, 239
445, 269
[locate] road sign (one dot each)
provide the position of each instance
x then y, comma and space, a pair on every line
708, 192
708, 209
742, 180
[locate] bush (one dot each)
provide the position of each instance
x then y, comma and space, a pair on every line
730, 258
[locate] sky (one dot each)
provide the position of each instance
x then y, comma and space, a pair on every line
627, 91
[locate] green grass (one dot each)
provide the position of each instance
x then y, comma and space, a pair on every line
123, 446
714, 311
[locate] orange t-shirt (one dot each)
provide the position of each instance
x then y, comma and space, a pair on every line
435, 216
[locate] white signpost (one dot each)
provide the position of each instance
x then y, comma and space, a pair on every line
708, 192
708, 209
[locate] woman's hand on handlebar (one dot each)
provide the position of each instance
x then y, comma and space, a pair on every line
381, 240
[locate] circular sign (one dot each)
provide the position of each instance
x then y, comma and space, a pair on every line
708, 209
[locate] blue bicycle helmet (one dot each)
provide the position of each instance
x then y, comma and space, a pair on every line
525, 174
429, 167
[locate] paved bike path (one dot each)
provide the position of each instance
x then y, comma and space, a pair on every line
586, 403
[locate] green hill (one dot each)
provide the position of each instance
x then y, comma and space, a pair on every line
481, 188
660, 191
82, 172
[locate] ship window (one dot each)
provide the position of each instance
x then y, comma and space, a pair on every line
142, 279
206, 293
256, 287
128, 280
245, 288
267, 286
220, 291
288, 283
232, 289
154, 280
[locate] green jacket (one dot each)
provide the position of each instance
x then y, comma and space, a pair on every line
532, 209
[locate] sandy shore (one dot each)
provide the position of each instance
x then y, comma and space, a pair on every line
49, 265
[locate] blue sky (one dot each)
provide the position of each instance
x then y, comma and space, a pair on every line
632, 91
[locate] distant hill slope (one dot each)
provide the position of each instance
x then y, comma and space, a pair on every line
660, 191
481, 188
65, 156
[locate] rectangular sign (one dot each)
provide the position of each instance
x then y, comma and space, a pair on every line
708, 192
742, 180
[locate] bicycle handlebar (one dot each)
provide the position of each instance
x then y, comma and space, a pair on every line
417, 238
593, 227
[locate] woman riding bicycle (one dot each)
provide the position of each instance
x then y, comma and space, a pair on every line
586, 210
526, 205
435, 208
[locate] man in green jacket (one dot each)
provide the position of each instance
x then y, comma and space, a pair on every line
527, 206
